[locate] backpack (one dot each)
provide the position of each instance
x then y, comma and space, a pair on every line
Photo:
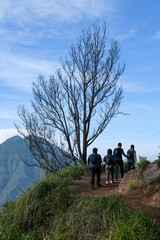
130, 155
108, 160
94, 158
117, 152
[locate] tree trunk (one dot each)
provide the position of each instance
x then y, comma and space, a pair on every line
84, 153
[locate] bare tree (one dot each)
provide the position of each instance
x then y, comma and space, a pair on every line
79, 101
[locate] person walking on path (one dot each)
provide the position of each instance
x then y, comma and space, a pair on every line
132, 158
94, 161
109, 166
117, 153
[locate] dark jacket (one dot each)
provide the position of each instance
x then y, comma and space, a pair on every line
119, 157
94, 160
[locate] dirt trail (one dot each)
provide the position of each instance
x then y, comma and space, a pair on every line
136, 199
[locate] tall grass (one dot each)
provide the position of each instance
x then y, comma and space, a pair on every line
46, 211
39, 205
103, 218
143, 163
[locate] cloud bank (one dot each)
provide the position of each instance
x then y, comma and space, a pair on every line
21, 12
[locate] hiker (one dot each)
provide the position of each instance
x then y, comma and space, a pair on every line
109, 166
94, 161
118, 152
132, 159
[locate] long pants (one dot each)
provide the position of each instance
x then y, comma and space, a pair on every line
130, 165
119, 164
109, 170
95, 171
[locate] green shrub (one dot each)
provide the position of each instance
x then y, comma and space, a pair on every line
157, 162
104, 219
39, 204
133, 186
143, 163
152, 189
47, 210
125, 166
102, 168
76, 172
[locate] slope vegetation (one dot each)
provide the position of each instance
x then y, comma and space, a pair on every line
50, 210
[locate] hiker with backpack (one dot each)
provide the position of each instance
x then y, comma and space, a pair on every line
109, 166
132, 159
117, 153
94, 161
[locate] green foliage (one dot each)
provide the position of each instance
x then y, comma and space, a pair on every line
47, 210
143, 163
102, 168
103, 218
75, 172
39, 204
151, 189
125, 166
133, 186
157, 162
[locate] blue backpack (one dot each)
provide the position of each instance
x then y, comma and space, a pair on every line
108, 160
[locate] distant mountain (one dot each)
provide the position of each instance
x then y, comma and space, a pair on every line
15, 176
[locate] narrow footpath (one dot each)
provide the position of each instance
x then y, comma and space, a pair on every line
136, 199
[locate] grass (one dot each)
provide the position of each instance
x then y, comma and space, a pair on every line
39, 205
151, 189
104, 219
142, 165
46, 211
133, 186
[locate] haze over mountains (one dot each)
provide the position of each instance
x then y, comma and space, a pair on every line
15, 176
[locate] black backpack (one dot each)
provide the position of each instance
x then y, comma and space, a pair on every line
117, 152
94, 158
130, 154
108, 160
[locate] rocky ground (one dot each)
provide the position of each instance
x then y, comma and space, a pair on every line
140, 199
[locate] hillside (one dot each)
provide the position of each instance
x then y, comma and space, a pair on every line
15, 176
145, 198
62, 206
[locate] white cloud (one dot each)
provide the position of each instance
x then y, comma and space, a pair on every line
32, 10
18, 71
8, 113
7, 133
25, 36
24, 22
130, 34
135, 88
157, 35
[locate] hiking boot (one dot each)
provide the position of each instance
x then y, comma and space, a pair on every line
92, 187
99, 185
107, 182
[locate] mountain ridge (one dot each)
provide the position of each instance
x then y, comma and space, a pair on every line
15, 175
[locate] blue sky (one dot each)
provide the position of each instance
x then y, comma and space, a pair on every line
35, 34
